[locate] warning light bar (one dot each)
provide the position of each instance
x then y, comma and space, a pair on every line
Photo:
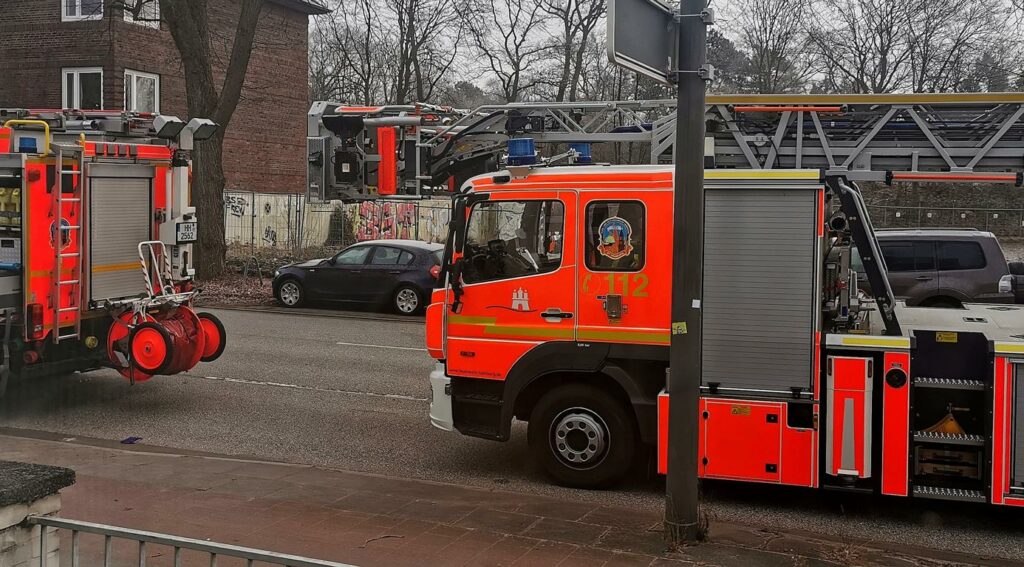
1017, 179
788, 109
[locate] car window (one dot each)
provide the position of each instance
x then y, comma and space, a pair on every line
385, 256
405, 259
352, 256
901, 256
439, 255
510, 239
615, 236
961, 256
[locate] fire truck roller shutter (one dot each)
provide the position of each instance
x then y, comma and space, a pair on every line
760, 256
120, 216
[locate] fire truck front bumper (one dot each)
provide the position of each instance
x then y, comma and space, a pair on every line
441, 399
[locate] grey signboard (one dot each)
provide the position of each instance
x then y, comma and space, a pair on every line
642, 37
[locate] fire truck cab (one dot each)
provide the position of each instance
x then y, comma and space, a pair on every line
555, 309
96, 233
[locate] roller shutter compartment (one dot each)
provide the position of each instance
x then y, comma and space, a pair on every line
760, 256
120, 213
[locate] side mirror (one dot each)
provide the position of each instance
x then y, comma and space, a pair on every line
332, 260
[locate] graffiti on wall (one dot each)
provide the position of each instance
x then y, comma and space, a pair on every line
235, 205
385, 220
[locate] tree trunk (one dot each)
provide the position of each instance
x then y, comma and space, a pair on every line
208, 198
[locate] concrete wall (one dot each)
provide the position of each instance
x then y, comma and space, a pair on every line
19, 543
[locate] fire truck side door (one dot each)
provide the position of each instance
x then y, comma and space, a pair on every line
624, 271
520, 265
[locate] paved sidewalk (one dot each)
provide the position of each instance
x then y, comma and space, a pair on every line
371, 520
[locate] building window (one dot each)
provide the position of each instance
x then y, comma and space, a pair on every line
83, 88
141, 91
148, 13
78, 10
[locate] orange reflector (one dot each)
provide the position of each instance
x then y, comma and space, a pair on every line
1014, 178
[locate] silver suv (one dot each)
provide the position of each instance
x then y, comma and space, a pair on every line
949, 267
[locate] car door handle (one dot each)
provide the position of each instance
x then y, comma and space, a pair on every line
394, 271
924, 278
555, 314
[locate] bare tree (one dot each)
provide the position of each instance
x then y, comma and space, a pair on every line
505, 33
773, 35
575, 21
946, 37
864, 45
428, 34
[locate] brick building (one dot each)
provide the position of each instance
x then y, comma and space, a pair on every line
90, 54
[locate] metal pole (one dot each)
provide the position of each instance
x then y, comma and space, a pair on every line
681, 486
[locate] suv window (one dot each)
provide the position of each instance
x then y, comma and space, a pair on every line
615, 236
509, 239
961, 256
903, 256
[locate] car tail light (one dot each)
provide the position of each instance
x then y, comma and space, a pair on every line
1006, 284
435, 271
34, 323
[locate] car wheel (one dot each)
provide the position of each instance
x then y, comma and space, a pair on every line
407, 300
582, 436
943, 302
290, 293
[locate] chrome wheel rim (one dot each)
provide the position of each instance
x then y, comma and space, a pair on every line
579, 437
407, 301
289, 293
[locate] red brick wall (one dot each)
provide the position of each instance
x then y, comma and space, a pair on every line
265, 144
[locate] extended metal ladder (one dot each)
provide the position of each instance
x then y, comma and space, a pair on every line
74, 234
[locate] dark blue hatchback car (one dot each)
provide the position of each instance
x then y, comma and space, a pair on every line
395, 273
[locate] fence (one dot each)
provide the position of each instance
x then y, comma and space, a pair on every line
1001, 222
268, 220
200, 552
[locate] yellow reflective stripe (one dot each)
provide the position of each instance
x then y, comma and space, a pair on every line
762, 174
470, 320
48, 273
920, 98
873, 342
661, 337
1014, 348
530, 332
116, 267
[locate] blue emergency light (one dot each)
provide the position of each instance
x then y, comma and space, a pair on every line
27, 145
521, 151
582, 150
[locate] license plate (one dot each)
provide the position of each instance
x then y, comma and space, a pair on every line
186, 232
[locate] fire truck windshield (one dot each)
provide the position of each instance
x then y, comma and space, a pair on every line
508, 239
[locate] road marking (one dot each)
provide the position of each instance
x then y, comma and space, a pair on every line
383, 346
310, 388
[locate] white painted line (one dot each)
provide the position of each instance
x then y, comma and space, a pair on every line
309, 388
382, 346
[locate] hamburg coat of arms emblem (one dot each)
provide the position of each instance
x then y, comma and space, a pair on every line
614, 235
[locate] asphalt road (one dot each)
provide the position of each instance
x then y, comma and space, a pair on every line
351, 393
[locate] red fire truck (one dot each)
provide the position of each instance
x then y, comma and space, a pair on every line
96, 234
555, 310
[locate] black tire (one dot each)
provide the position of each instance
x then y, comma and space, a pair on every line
584, 415
220, 330
942, 302
1016, 268
407, 300
291, 293
168, 346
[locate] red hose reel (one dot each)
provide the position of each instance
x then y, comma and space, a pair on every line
163, 342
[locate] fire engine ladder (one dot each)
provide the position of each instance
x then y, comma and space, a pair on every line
72, 284
970, 137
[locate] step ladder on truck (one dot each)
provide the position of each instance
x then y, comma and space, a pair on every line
554, 310
96, 237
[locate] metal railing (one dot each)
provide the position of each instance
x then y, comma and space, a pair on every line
178, 544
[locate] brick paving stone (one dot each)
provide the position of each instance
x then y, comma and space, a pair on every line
619, 518
308, 493
498, 521
738, 535
718, 554
633, 541
566, 531
586, 557
442, 512
550, 508
671, 562
364, 501
546, 554
504, 552
473, 543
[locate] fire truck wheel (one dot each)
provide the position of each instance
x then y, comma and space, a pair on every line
583, 437
290, 293
150, 346
216, 336
408, 300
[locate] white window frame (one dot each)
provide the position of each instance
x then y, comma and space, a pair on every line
154, 23
79, 17
156, 98
76, 71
